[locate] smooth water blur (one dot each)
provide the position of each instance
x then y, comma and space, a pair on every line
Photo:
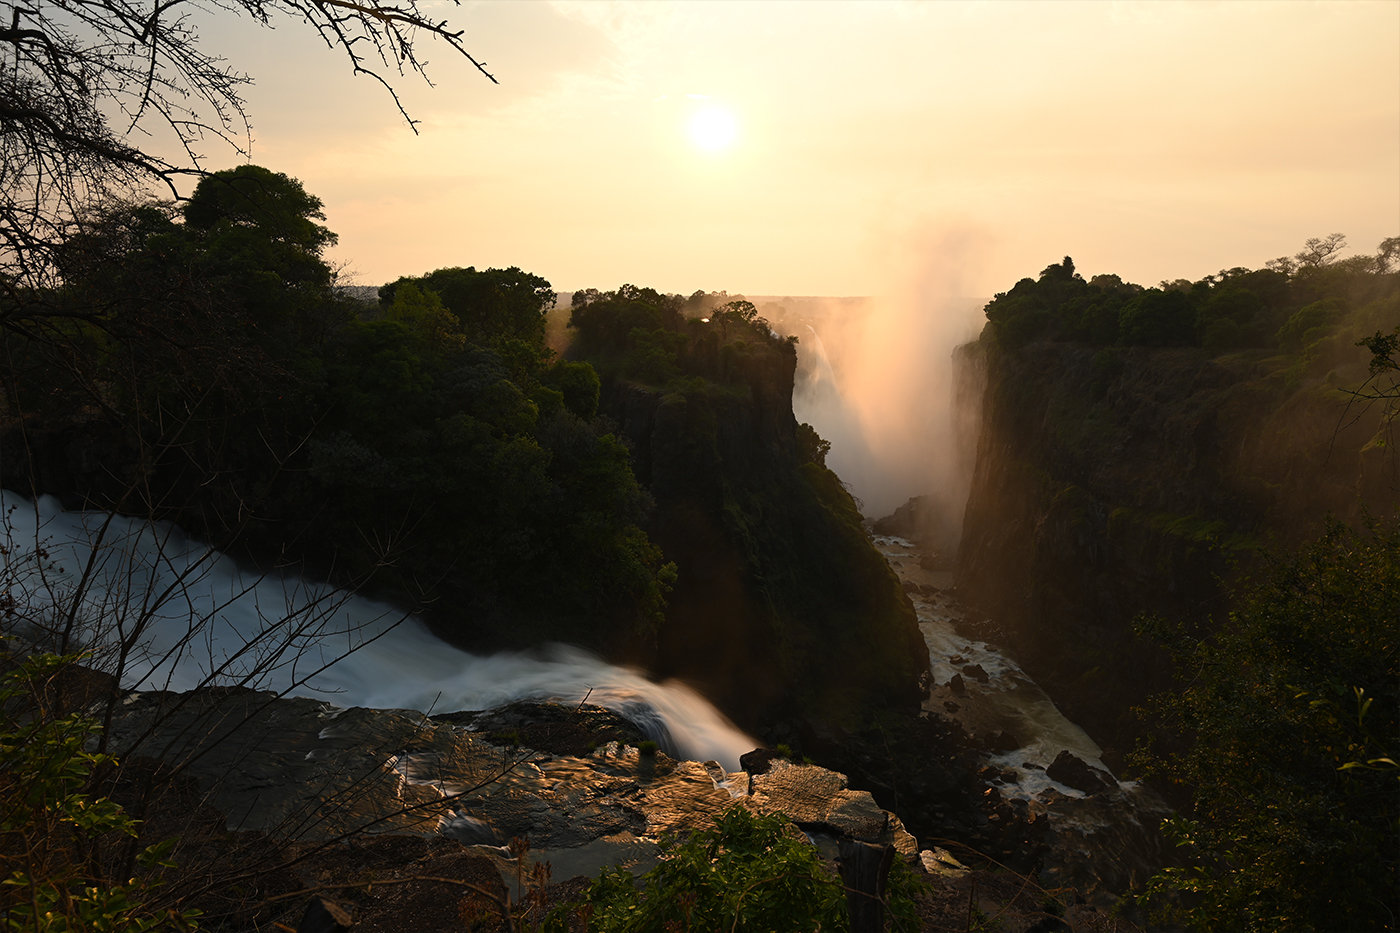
195, 619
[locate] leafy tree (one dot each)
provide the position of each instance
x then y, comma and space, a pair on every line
1309, 323
811, 446
1292, 719
490, 304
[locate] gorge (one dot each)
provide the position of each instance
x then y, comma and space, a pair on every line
650, 496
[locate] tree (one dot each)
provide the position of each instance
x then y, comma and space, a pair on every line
79, 80
491, 303
1290, 715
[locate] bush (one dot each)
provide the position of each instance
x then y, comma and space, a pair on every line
749, 873
1291, 715
52, 828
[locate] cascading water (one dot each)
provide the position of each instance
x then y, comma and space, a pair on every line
194, 618
1105, 843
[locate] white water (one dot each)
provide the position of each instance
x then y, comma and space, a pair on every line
1010, 701
197, 619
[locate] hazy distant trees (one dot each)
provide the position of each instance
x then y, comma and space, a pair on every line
1298, 303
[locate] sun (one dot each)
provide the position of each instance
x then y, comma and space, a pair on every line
713, 129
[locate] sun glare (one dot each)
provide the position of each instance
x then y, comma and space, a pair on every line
713, 129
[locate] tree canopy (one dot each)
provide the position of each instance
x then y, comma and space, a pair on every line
1294, 303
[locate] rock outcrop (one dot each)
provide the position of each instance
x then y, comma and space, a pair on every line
300, 770
782, 610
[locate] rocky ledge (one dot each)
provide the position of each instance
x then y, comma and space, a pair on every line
299, 769
397, 813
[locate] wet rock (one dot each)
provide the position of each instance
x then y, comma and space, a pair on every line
1074, 772
957, 686
758, 761
950, 706
1001, 741
976, 672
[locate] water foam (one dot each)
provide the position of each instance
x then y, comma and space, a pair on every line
196, 619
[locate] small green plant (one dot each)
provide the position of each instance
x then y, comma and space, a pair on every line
647, 748
52, 827
509, 739
784, 750
748, 873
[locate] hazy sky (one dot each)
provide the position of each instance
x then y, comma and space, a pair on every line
1155, 140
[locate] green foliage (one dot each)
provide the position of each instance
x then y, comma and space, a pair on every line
1309, 323
1383, 349
50, 823
579, 384
811, 446
1295, 811
259, 243
748, 873
1158, 319
489, 304
1295, 303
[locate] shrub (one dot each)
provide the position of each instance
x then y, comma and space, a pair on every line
748, 873
51, 827
1291, 713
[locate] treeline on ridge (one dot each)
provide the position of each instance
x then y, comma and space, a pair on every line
1294, 303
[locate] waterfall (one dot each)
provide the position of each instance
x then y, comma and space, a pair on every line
191, 617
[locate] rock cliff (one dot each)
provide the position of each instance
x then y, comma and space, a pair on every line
783, 610
1113, 482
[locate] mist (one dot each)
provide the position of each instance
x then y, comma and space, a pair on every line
876, 378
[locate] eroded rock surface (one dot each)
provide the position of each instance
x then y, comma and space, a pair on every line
300, 769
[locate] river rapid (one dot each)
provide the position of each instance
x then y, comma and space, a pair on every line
192, 618
1103, 843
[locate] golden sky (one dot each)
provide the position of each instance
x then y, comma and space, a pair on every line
1152, 139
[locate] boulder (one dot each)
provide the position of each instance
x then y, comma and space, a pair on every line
977, 673
1074, 772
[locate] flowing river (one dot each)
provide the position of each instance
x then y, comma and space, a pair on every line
195, 619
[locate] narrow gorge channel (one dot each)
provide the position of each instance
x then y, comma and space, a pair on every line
1102, 837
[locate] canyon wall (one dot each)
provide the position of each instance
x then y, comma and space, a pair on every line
782, 609
1119, 481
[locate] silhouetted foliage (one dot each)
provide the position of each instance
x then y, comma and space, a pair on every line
1234, 309
87, 83
1290, 712
438, 449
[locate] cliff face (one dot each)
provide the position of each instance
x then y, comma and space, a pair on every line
783, 609
1120, 481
